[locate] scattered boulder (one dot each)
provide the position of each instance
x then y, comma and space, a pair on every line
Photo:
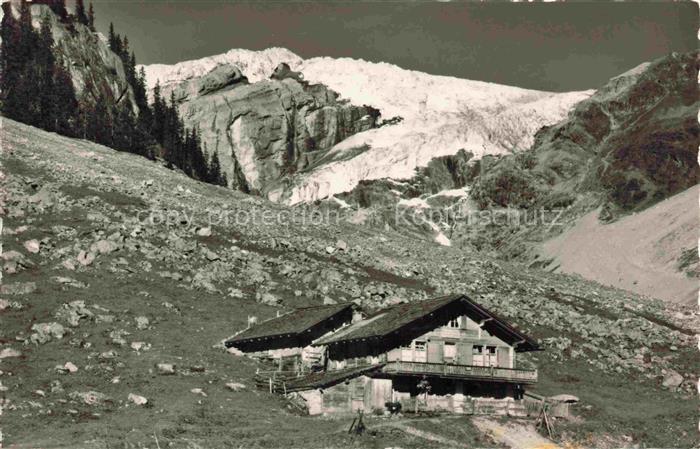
672, 380
104, 246
69, 367
142, 322
235, 386
45, 332
88, 397
210, 255
73, 312
341, 245
69, 281
18, 288
9, 352
267, 298
204, 232
165, 368
32, 246
235, 293
117, 337
14, 261
137, 399
140, 346
198, 391
108, 355
85, 258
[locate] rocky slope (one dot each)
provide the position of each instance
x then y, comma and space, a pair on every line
644, 252
634, 142
427, 116
95, 70
122, 278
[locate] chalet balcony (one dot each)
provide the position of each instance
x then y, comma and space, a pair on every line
487, 373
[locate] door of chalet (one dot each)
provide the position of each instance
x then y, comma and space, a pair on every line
503, 357
435, 352
378, 394
465, 354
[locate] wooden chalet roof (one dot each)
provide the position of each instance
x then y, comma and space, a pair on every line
393, 319
290, 324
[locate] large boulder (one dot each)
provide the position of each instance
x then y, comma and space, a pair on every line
220, 77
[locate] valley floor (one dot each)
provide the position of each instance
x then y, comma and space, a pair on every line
95, 296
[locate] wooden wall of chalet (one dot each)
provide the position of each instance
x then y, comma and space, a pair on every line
372, 394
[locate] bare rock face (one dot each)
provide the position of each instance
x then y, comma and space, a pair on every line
221, 77
265, 131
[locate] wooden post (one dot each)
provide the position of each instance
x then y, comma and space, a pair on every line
270, 385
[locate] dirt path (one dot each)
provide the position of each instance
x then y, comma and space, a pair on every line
514, 435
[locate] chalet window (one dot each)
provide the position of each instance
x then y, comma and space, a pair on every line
420, 346
454, 324
490, 358
450, 351
478, 355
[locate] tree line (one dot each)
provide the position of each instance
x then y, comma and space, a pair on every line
37, 89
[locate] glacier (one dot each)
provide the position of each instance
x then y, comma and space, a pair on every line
440, 115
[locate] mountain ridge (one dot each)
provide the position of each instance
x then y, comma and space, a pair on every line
435, 116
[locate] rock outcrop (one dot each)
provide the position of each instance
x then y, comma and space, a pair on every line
265, 131
220, 77
96, 71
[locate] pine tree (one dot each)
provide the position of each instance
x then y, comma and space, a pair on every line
80, 14
91, 18
214, 175
66, 111
9, 61
112, 37
43, 69
20, 78
58, 7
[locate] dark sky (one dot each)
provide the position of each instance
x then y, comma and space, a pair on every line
550, 46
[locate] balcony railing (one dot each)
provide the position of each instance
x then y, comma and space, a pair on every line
491, 373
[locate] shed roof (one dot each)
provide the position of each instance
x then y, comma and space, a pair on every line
290, 324
393, 319
325, 379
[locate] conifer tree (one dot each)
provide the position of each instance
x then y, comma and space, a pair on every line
91, 17
80, 13
112, 37
214, 173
